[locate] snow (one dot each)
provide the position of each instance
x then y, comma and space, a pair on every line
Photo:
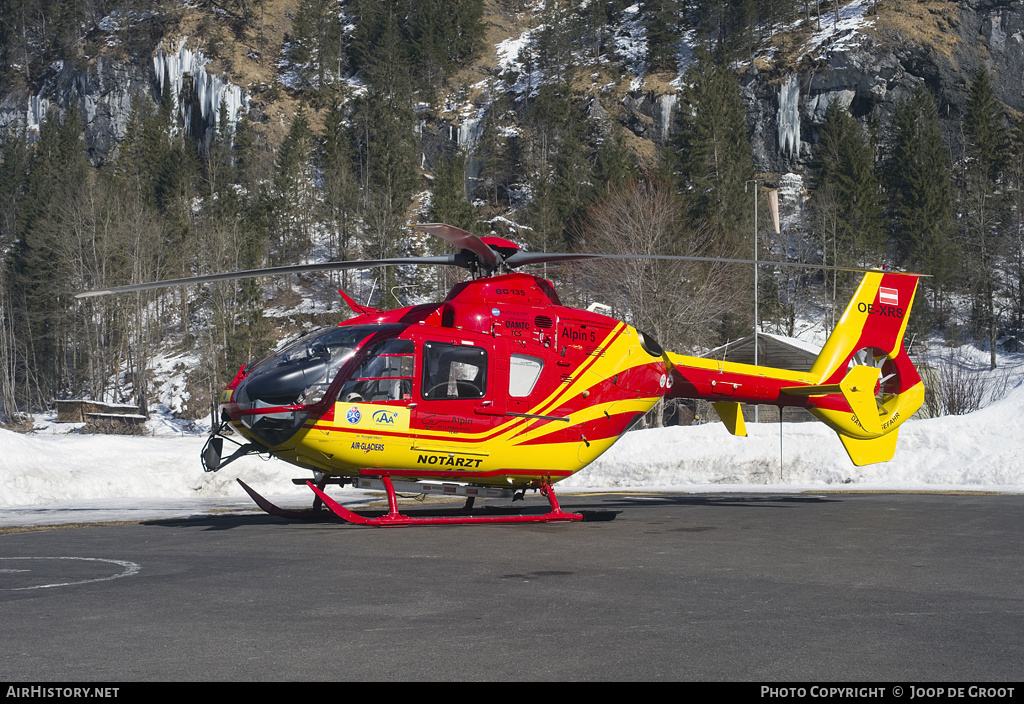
789, 116
211, 90
630, 39
49, 479
509, 49
845, 34
38, 106
81, 478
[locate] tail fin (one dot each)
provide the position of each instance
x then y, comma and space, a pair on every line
866, 385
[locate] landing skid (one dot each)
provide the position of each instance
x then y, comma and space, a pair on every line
310, 514
394, 518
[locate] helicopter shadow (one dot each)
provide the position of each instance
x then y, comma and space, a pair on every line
739, 501
228, 521
603, 510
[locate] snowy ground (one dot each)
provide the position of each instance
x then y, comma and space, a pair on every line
48, 478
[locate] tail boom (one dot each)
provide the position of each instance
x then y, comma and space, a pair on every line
862, 385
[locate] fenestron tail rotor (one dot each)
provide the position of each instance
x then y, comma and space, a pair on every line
888, 380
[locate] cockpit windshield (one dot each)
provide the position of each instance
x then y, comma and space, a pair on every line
299, 375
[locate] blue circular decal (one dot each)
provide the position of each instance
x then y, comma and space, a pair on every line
353, 415
495, 311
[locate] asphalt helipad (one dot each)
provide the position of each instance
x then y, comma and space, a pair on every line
804, 587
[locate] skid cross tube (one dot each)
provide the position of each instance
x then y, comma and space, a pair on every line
395, 518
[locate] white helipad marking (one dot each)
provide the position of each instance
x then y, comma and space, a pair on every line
130, 568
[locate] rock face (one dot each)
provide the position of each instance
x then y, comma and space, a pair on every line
865, 69
103, 90
878, 69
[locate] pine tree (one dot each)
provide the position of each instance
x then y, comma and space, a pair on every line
444, 35
921, 197
219, 166
449, 204
984, 131
1015, 234
661, 18
341, 187
177, 177
231, 242
982, 198
13, 182
613, 165
844, 166
316, 48
383, 118
143, 149
385, 146
13, 178
294, 191
38, 279
495, 149
552, 48
776, 13
436, 36
727, 25
714, 156
561, 179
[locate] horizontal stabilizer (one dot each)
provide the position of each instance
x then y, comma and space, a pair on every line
812, 390
858, 388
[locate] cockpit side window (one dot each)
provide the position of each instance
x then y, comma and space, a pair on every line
453, 371
385, 375
523, 373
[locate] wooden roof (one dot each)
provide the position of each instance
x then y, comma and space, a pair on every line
772, 351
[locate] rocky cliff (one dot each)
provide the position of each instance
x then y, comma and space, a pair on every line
868, 61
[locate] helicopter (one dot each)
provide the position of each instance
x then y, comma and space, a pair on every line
500, 388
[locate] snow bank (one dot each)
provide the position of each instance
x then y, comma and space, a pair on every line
40, 469
978, 451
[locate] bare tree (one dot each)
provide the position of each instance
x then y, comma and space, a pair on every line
680, 303
8, 406
113, 238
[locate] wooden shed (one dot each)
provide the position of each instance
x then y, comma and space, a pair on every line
772, 351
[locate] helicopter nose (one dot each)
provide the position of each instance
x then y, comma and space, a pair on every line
275, 384
280, 384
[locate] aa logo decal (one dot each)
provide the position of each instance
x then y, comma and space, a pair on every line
385, 419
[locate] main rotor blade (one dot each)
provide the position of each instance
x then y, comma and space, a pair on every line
524, 258
274, 271
463, 240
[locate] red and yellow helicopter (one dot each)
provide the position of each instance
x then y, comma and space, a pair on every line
500, 388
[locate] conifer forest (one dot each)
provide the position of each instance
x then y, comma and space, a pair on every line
156, 139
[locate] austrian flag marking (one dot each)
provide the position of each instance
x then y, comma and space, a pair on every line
888, 296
